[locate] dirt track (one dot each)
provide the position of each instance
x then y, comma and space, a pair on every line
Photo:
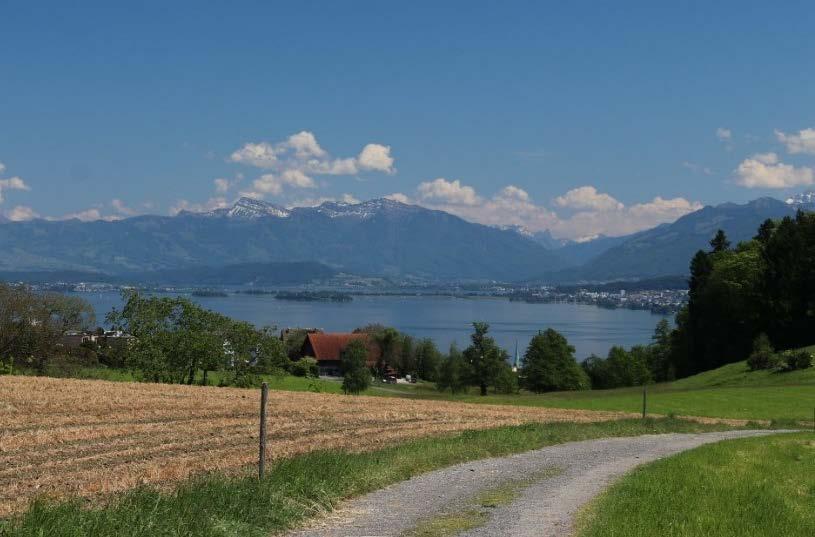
545, 508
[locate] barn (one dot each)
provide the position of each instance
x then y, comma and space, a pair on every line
326, 348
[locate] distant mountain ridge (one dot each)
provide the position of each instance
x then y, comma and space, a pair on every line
376, 237
667, 249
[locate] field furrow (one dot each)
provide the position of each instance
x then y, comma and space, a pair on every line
61, 437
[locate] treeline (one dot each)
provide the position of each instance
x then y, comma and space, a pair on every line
765, 286
173, 339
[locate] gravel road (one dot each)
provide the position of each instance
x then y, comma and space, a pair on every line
543, 509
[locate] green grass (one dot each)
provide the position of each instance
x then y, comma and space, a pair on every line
731, 391
740, 488
300, 487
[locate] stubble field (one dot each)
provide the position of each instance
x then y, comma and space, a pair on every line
61, 437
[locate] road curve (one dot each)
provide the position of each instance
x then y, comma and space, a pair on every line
544, 508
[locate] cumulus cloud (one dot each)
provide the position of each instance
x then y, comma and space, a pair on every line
261, 155
587, 197
802, 142
300, 156
443, 191
123, 209
376, 157
12, 183
313, 202
274, 183
21, 213
723, 134
589, 212
764, 170
697, 168
210, 205
88, 215
398, 196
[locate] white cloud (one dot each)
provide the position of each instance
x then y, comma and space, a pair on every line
723, 134
88, 215
221, 185
275, 183
803, 142
764, 170
592, 213
313, 202
376, 157
398, 196
697, 168
123, 209
21, 213
443, 191
12, 183
305, 145
260, 155
587, 197
210, 205
292, 162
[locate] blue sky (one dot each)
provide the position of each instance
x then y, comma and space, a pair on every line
565, 117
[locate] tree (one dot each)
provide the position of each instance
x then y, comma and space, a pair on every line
453, 372
660, 354
549, 364
483, 357
356, 376
32, 324
719, 243
427, 359
389, 341
506, 381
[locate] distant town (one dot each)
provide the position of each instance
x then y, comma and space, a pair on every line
659, 296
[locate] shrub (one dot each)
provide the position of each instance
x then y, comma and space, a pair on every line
305, 367
794, 360
763, 356
506, 381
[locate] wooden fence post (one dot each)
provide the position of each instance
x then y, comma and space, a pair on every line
644, 398
264, 397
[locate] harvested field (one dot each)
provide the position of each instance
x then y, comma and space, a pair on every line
62, 437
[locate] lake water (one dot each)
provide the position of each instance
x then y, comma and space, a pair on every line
446, 320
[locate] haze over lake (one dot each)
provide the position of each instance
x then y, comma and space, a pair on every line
444, 319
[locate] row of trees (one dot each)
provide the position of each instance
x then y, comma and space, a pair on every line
761, 286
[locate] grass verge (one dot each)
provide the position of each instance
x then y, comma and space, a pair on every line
302, 487
752, 487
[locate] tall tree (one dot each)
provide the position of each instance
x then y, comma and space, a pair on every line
483, 357
452, 373
549, 365
356, 376
719, 243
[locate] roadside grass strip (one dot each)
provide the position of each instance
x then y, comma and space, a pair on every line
302, 487
753, 487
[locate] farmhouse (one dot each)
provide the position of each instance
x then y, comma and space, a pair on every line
327, 347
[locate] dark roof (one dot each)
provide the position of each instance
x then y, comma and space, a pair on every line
329, 346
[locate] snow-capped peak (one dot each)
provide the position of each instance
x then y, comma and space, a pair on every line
363, 210
251, 208
804, 198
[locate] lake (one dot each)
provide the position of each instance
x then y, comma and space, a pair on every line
444, 319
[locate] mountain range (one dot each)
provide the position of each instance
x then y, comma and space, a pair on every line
379, 237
